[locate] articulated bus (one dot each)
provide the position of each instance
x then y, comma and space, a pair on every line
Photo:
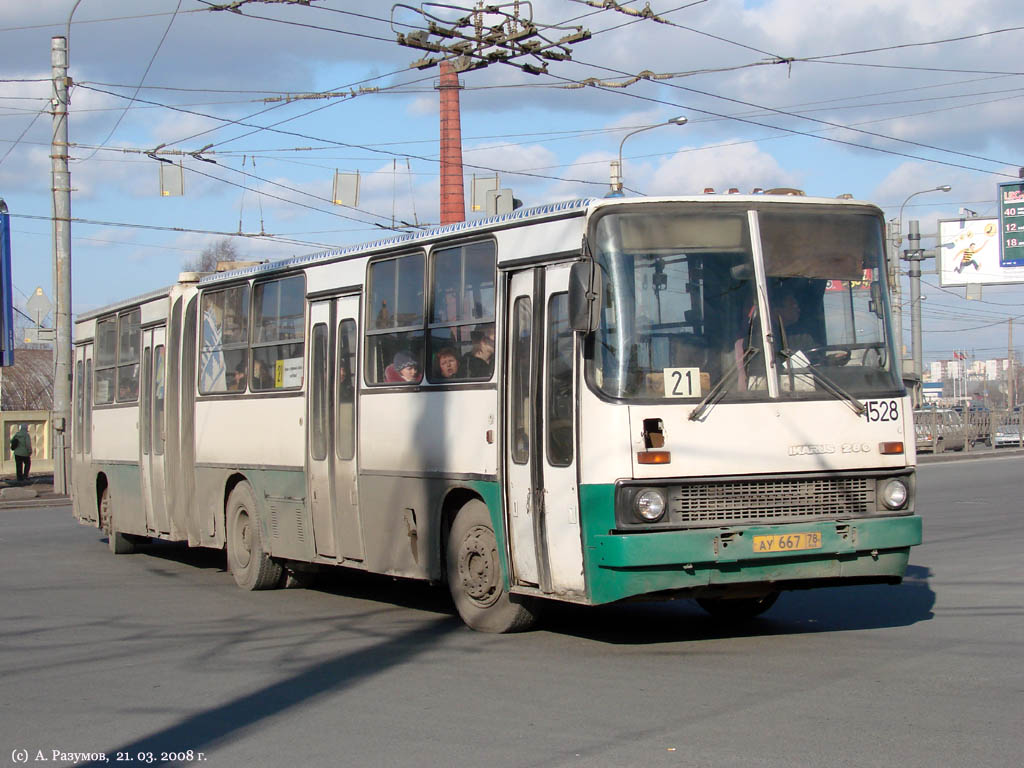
590, 402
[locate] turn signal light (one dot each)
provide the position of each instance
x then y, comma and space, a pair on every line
654, 457
890, 449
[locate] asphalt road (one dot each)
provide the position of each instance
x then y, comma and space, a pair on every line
157, 652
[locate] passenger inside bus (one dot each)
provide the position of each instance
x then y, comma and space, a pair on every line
404, 369
447, 363
237, 382
480, 361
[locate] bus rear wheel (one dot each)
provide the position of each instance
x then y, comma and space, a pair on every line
739, 608
119, 543
475, 579
248, 561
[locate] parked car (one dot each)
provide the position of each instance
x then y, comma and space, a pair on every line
939, 429
1006, 434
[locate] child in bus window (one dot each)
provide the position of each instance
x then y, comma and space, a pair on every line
404, 369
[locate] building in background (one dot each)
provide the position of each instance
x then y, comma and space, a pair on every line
26, 397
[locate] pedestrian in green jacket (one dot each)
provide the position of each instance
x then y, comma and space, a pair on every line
21, 446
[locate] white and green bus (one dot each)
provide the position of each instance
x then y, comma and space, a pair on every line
589, 402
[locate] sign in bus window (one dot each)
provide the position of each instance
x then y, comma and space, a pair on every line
684, 382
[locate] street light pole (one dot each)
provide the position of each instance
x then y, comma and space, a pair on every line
61, 267
616, 172
896, 238
61, 187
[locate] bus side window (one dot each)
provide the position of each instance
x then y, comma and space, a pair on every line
279, 321
106, 360
394, 327
462, 312
129, 335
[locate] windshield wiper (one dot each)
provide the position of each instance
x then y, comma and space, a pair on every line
719, 391
827, 383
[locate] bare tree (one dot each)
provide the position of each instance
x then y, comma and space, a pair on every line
221, 250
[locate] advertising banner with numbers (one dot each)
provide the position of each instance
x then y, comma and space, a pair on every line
968, 253
1011, 224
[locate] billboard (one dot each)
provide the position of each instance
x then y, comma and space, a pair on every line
6, 297
968, 253
1011, 224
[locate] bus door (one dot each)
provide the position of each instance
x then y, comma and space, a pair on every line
81, 475
330, 452
153, 430
539, 445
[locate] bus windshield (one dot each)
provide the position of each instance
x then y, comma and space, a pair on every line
681, 313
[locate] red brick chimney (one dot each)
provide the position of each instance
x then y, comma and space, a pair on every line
453, 198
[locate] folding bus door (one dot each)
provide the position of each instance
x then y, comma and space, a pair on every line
153, 430
330, 435
542, 508
82, 482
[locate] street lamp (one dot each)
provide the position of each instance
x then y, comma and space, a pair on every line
943, 188
616, 171
914, 257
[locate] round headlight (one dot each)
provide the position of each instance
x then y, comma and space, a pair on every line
649, 505
894, 494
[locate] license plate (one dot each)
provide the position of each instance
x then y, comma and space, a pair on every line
788, 542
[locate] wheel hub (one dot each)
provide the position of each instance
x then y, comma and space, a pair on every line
478, 566
244, 539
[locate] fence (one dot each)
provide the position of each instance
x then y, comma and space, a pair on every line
939, 430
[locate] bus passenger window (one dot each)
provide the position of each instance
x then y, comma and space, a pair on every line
129, 337
462, 313
224, 354
279, 308
394, 334
106, 360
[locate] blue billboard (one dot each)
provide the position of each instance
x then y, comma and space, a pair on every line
6, 297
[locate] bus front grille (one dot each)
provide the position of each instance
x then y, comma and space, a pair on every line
756, 500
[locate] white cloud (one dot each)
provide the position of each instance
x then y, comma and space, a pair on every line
743, 166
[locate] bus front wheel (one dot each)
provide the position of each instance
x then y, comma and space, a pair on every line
474, 575
248, 561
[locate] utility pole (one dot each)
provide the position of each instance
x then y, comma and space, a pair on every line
896, 289
1011, 378
61, 265
914, 255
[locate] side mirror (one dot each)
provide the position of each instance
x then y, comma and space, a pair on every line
876, 298
585, 296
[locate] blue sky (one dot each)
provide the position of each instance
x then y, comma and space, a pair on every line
879, 125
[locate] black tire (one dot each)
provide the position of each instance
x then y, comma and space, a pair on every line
737, 609
248, 561
475, 579
119, 543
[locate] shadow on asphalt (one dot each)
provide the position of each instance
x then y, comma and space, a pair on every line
824, 609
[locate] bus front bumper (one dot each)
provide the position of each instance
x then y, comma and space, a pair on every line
858, 551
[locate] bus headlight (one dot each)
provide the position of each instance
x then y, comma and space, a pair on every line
894, 494
649, 505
